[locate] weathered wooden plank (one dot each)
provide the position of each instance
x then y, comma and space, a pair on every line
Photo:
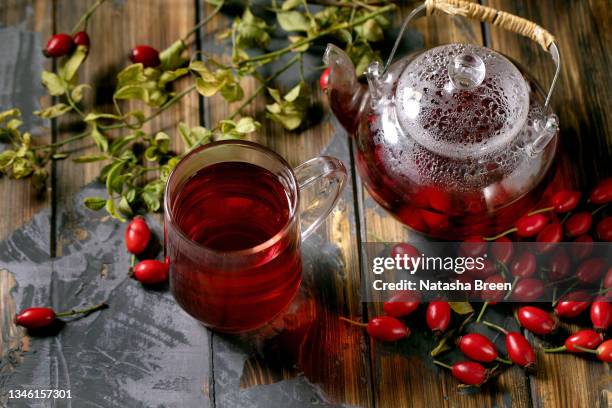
333, 359
405, 375
582, 102
24, 27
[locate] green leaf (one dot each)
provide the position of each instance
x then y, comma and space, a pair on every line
131, 195
110, 208
53, 83
246, 125
77, 93
170, 76
132, 74
294, 93
69, 67
93, 116
122, 141
100, 140
171, 57
59, 156
6, 158
184, 132
251, 31
132, 92
9, 114
461, 308
53, 111
124, 207
162, 142
89, 158
293, 21
296, 38
94, 203
232, 92
290, 4
151, 200
113, 178
21, 168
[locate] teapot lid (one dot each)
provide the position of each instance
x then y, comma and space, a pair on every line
461, 100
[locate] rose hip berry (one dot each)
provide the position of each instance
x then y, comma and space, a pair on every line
528, 290
559, 265
565, 200
584, 247
467, 372
402, 304
601, 313
493, 296
477, 347
473, 246
137, 236
604, 351
518, 348
578, 224
572, 304
585, 339
602, 193
81, 38
324, 79
59, 45
39, 317
502, 250
145, 55
591, 270
608, 279
404, 249
550, 235
438, 316
383, 328
536, 320
524, 265
530, 225
150, 272
604, 229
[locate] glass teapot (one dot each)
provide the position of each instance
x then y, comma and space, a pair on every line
455, 140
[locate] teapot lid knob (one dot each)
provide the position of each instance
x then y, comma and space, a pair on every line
466, 70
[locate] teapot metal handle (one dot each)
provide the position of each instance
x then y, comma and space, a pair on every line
490, 15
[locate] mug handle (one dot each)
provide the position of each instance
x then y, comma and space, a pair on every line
326, 175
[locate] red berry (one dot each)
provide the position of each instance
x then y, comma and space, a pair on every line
591, 270
151, 272
438, 316
385, 328
528, 290
477, 347
491, 295
530, 225
604, 351
550, 235
572, 304
137, 235
559, 265
536, 320
35, 317
59, 45
404, 249
502, 250
601, 313
324, 79
565, 200
523, 265
602, 193
487, 270
519, 350
145, 55
470, 373
434, 220
604, 229
578, 224
584, 247
608, 279
587, 338
81, 38
438, 199
402, 304
473, 246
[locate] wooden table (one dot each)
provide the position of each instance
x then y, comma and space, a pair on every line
342, 363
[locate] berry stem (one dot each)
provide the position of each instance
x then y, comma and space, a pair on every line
556, 349
482, 310
598, 209
353, 322
203, 22
441, 364
586, 350
503, 234
85, 17
541, 210
494, 326
516, 279
503, 360
82, 311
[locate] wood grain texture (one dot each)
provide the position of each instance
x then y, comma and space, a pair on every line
331, 357
582, 102
19, 201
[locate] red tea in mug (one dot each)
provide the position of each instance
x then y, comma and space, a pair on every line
233, 208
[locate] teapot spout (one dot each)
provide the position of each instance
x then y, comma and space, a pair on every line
347, 96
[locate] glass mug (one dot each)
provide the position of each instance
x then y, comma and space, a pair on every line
233, 230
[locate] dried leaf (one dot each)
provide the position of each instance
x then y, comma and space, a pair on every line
293, 21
